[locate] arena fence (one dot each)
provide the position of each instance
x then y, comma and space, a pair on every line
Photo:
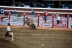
38, 18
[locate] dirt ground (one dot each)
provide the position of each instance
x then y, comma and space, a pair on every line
24, 37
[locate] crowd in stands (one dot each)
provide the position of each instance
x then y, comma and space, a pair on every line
20, 4
33, 3
41, 5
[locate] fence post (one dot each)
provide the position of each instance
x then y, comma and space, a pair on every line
9, 16
52, 20
38, 19
24, 18
1, 18
67, 20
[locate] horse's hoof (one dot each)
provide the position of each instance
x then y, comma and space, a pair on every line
7, 39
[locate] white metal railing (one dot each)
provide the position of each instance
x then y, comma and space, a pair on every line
38, 12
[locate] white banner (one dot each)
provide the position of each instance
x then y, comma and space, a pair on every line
14, 20
70, 22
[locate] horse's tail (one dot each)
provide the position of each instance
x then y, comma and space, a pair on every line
34, 26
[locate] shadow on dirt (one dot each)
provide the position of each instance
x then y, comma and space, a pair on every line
29, 28
7, 44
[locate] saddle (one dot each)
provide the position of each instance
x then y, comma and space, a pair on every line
10, 34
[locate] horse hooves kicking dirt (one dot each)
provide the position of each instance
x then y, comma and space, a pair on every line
33, 26
30, 23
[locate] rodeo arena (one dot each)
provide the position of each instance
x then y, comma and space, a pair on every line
35, 27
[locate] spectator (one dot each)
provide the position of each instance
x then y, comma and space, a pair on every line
27, 6
19, 4
32, 12
56, 15
49, 7
42, 5
11, 11
70, 7
45, 16
66, 7
45, 4
58, 18
13, 3
63, 6
22, 4
33, 3
1, 11
15, 12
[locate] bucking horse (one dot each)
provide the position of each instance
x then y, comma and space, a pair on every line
30, 23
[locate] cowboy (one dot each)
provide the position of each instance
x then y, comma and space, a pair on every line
8, 30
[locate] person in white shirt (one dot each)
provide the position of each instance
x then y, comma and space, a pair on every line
58, 20
8, 30
27, 6
56, 15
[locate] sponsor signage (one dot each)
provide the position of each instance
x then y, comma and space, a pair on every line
47, 25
